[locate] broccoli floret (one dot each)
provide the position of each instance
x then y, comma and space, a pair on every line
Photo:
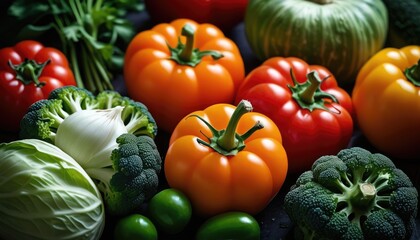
74, 98
305, 177
133, 177
44, 117
353, 195
384, 224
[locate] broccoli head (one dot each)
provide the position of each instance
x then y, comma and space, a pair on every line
353, 195
44, 117
133, 177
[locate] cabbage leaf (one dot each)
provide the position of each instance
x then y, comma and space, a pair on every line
45, 194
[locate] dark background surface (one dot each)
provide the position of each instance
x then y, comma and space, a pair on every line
274, 222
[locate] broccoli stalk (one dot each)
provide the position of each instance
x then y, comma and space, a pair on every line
354, 195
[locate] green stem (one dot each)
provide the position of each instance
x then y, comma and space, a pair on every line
75, 11
103, 77
186, 53
89, 5
308, 94
228, 140
75, 65
98, 4
363, 196
413, 74
91, 79
29, 71
68, 47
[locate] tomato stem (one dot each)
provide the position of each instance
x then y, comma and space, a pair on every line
227, 142
309, 94
29, 71
186, 54
413, 74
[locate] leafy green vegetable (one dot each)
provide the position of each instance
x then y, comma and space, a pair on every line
92, 34
354, 195
45, 194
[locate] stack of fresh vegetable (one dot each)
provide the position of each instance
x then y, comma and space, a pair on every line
106, 141
259, 119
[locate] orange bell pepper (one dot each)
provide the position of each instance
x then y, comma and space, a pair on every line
241, 167
386, 99
180, 67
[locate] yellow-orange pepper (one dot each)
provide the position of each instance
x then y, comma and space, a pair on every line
386, 99
179, 67
225, 158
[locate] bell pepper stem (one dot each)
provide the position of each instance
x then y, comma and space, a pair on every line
29, 71
258, 125
228, 140
413, 74
188, 32
308, 94
186, 54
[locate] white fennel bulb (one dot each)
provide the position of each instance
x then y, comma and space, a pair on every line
89, 136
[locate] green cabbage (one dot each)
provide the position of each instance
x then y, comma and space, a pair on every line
45, 194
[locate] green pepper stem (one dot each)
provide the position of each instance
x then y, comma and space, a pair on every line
29, 71
186, 53
413, 74
228, 140
308, 94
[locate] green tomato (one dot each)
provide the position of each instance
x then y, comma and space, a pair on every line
170, 210
135, 226
230, 225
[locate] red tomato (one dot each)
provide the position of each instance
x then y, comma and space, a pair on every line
28, 73
310, 122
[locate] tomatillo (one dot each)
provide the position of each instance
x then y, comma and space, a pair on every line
230, 225
170, 210
135, 226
